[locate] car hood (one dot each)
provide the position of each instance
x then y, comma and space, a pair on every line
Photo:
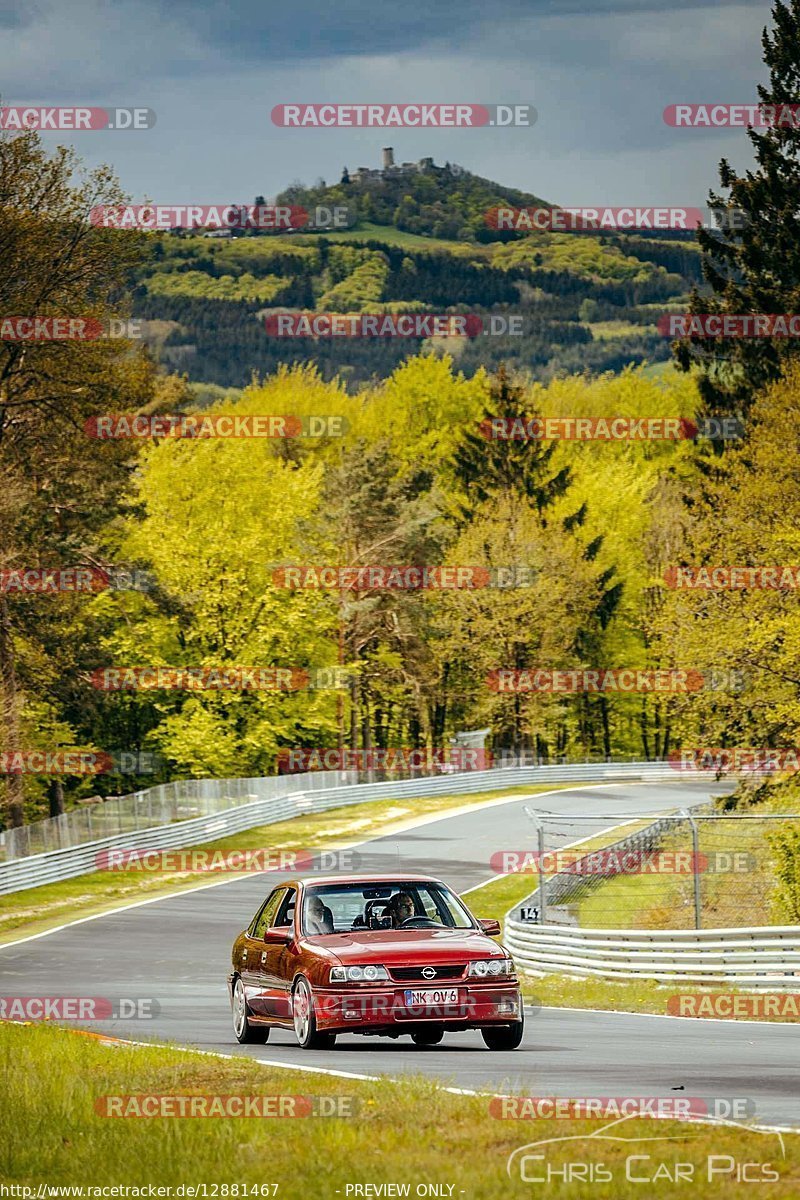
396, 947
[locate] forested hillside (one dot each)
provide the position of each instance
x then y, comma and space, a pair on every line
586, 301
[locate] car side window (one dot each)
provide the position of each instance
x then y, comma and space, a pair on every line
285, 914
266, 917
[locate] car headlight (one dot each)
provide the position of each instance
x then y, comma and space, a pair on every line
491, 966
371, 973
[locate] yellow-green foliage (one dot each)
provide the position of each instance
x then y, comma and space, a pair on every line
222, 287
585, 256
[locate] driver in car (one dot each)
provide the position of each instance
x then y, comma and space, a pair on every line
401, 907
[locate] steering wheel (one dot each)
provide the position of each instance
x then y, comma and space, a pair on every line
418, 923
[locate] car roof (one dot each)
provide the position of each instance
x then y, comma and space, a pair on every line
394, 877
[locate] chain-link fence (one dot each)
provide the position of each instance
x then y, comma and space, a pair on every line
185, 799
182, 800
686, 870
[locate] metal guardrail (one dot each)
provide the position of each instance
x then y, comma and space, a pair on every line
767, 957
253, 802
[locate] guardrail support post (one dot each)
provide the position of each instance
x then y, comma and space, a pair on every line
698, 908
540, 835
542, 884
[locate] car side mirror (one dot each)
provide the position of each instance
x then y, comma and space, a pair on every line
278, 935
490, 926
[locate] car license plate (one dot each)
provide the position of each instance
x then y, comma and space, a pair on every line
428, 996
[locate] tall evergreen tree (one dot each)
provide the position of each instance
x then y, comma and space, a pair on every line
486, 466
752, 263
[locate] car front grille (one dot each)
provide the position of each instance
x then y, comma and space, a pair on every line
443, 971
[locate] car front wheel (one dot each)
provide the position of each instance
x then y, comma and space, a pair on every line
244, 1030
305, 1022
504, 1037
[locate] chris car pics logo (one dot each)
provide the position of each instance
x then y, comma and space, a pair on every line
651, 1161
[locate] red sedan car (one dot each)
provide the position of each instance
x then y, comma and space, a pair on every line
372, 954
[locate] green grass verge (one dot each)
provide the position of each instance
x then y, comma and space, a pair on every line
38, 909
633, 995
412, 1133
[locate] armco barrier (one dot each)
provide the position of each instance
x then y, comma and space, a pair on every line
766, 957
290, 796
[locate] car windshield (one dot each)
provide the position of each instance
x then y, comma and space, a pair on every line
344, 907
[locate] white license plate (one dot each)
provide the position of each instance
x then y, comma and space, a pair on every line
429, 996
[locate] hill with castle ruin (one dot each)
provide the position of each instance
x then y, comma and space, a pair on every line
418, 240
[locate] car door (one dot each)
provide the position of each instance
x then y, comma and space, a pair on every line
255, 953
277, 961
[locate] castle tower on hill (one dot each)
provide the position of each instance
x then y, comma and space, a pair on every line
390, 169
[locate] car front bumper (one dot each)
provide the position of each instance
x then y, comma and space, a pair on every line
385, 1008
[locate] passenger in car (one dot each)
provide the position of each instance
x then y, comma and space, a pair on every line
319, 917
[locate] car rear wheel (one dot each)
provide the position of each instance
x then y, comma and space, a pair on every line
305, 1022
504, 1037
427, 1037
244, 1030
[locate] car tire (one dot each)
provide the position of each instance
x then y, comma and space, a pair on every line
427, 1037
242, 1027
305, 1022
504, 1037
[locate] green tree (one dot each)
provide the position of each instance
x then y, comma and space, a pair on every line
752, 263
58, 485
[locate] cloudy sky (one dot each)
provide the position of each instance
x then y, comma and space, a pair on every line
599, 73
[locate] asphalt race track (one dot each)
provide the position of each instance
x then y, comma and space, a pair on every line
177, 950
